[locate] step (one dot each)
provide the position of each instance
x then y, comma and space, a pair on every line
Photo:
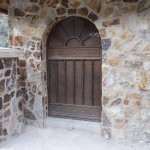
72, 124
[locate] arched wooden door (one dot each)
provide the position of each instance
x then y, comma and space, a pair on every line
74, 70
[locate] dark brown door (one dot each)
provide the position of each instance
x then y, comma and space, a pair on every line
74, 70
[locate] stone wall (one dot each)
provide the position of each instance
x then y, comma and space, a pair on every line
11, 116
4, 37
124, 26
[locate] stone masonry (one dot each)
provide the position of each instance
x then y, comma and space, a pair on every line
124, 27
11, 118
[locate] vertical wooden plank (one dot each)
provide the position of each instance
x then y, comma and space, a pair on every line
61, 81
65, 82
78, 82
70, 81
83, 81
88, 82
53, 81
97, 83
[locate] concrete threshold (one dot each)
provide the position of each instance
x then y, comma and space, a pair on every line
72, 124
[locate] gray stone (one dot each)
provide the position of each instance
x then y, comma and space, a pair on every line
27, 54
61, 11
116, 102
19, 13
5, 132
105, 120
93, 16
20, 118
1, 65
1, 103
7, 113
106, 43
29, 115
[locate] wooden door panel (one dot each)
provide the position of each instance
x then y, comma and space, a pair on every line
88, 82
96, 83
75, 111
78, 83
53, 81
61, 82
70, 81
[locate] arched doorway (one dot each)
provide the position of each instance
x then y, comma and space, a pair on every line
74, 70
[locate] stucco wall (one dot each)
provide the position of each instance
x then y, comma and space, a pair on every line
124, 26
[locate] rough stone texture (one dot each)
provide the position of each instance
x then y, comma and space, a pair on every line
8, 100
124, 30
111, 22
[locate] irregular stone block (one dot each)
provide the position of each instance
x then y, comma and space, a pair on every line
8, 63
102, 33
61, 11
72, 11
116, 102
31, 103
106, 43
110, 1
105, 100
131, 1
7, 98
32, 8
5, 106
30, 45
5, 132
41, 2
126, 102
106, 133
1, 129
109, 23
2, 86
27, 54
7, 113
128, 35
24, 93
10, 83
83, 11
21, 105
95, 5
120, 123
34, 1
37, 55
76, 4
7, 73
29, 115
114, 61
134, 96
19, 40
53, 3
1, 103
1, 65
34, 21
19, 13
105, 120
65, 3
143, 81
22, 63
93, 16
20, 118
129, 113
23, 74
18, 93
133, 64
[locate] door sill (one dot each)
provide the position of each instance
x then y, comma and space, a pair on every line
72, 124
